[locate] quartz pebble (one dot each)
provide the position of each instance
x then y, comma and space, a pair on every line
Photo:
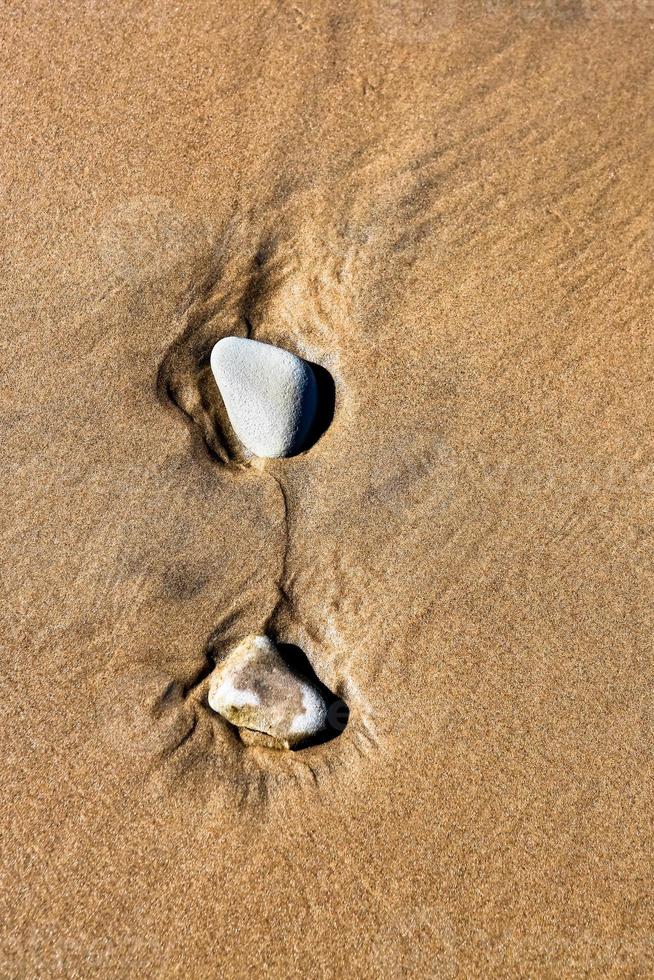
270, 395
255, 690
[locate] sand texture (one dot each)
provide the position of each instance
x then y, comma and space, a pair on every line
447, 210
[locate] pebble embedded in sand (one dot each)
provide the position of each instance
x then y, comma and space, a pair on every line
270, 395
255, 690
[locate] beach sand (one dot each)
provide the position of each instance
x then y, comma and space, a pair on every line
449, 209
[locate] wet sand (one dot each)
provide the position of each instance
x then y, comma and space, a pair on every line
451, 216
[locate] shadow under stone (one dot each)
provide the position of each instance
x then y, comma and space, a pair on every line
326, 406
338, 713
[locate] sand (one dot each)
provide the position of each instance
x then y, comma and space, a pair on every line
451, 215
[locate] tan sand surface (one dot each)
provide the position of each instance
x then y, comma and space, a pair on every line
449, 208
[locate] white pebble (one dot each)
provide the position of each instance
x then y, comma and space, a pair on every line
271, 395
255, 690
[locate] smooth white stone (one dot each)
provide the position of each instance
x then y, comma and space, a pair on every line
270, 395
255, 690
